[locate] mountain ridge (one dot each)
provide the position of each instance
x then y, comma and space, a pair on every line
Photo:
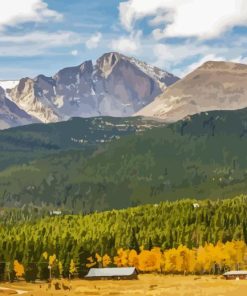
115, 85
120, 86
212, 86
10, 114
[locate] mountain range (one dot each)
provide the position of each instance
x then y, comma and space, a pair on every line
115, 85
121, 86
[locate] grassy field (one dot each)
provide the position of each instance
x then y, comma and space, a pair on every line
152, 285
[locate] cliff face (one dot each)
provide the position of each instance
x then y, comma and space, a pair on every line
10, 114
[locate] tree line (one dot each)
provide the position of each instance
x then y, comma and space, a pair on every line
207, 259
70, 243
204, 259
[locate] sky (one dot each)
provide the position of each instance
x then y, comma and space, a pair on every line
43, 36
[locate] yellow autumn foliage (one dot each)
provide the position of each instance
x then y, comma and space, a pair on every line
205, 259
106, 260
18, 268
122, 258
52, 259
72, 267
208, 258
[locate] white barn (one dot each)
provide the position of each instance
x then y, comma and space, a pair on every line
112, 273
236, 275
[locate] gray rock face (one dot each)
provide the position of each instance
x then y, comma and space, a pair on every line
10, 114
116, 86
212, 86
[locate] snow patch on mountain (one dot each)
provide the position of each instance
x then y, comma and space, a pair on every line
8, 84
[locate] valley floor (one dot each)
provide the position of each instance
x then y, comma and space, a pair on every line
150, 285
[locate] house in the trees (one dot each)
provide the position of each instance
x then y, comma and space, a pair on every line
55, 213
236, 275
125, 273
196, 205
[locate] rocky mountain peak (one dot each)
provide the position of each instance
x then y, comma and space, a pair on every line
25, 84
115, 86
42, 78
107, 62
11, 115
86, 67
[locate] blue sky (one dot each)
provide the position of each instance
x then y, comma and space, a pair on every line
43, 36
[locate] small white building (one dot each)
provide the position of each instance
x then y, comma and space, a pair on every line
55, 213
236, 275
125, 273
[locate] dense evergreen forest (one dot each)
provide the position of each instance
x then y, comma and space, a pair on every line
151, 237
104, 163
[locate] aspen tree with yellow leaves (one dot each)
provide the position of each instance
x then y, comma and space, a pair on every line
150, 261
170, 260
106, 260
18, 269
98, 260
52, 259
45, 255
60, 268
133, 259
91, 262
122, 258
72, 268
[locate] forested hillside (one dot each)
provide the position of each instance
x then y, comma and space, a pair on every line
104, 163
22, 144
82, 241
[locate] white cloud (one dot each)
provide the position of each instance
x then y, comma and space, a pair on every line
15, 12
185, 18
94, 40
127, 44
240, 59
193, 50
175, 57
45, 39
74, 52
133, 10
175, 53
36, 43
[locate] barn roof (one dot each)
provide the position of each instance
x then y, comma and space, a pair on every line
236, 272
112, 271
